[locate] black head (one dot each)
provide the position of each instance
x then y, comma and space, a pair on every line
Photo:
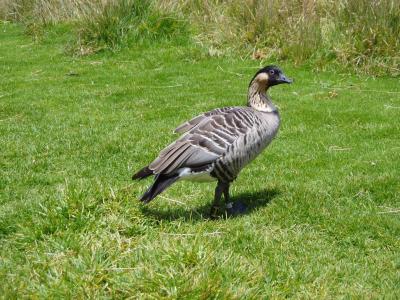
271, 75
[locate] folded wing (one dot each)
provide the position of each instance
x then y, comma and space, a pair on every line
207, 137
184, 127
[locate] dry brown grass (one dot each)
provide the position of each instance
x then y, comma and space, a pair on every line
50, 11
359, 34
363, 35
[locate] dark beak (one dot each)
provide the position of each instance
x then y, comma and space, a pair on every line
284, 79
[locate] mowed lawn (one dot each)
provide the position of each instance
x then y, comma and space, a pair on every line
324, 198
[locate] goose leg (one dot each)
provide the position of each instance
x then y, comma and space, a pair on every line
222, 188
217, 199
226, 193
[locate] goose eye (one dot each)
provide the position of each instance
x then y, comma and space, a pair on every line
271, 72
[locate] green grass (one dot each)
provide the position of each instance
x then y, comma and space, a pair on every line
123, 23
357, 35
324, 198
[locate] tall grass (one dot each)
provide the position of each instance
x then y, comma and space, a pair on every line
121, 23
49, 11
99, 24
361, 35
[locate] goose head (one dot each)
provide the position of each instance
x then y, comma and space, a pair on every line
269, 76
266, 77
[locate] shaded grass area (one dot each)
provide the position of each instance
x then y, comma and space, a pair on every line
324, 216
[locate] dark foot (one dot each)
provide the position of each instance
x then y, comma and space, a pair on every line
236, 208
215, 212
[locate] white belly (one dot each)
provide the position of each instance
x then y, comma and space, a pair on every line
186, 174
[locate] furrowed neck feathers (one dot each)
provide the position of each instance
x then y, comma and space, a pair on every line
258, 97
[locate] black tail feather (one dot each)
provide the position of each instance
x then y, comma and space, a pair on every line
159, 185
143, 173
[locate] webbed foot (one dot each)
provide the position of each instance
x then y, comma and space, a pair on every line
215, 212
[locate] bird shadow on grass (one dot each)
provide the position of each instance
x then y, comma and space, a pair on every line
251, 200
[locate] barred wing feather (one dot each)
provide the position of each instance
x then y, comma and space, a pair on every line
197, 120
207, 138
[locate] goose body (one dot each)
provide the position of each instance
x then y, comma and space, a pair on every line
218, 144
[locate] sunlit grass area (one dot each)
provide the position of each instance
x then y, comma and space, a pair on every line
323, 219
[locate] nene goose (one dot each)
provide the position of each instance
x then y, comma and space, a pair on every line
218, 144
